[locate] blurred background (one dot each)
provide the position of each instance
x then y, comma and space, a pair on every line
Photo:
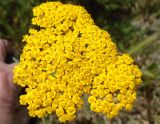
133, 24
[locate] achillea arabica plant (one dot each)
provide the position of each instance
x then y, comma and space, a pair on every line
70, 56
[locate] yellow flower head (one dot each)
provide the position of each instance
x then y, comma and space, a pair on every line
67, 55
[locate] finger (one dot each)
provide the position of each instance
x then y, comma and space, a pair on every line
3, 89
9, 91
7, 70
5, 47
2, 51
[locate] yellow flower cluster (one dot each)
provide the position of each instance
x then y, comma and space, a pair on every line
67, 55
115, 87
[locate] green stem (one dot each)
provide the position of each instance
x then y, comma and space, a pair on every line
149, 73
144, 43
43, 120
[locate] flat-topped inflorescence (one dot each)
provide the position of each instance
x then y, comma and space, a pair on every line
66, 55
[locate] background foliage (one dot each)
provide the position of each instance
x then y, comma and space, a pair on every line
133, 24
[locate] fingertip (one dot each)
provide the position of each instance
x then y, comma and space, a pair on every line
12, 65
5, 48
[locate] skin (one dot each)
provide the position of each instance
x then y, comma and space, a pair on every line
10, 110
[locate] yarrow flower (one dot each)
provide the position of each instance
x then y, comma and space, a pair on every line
66, 56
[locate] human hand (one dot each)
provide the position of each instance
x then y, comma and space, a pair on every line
10, 111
